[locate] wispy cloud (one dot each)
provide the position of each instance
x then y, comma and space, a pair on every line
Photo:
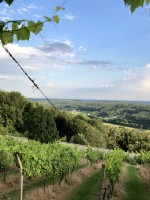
26, 8
31, 6
94, 67
82, 48
7, 77
37, 16
61, 49
70, 17
49, 85
92, 63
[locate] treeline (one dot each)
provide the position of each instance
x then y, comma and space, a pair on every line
19, 115
121, 113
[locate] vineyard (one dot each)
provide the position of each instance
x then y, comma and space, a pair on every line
43, 165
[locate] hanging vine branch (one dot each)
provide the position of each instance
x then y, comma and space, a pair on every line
21, 29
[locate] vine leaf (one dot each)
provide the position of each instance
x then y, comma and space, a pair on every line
133, 4
23, 33
2, 24
8, 2
7, 37
14, 26
35, 27
48, 19
56, 19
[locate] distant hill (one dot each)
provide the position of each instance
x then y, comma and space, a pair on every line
134, 114
92, 100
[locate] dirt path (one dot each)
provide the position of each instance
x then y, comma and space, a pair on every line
145, 175
65, 190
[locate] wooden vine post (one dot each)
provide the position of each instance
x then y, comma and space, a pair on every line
21, 177
102, 179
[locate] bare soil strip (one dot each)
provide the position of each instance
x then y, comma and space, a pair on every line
145, 175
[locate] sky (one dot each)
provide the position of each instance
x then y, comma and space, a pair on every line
99, 50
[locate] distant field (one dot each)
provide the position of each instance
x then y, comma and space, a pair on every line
114, 125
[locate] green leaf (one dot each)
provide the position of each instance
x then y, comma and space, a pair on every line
56, 19
20, 21
133, 4
35, 27
9, 2
7, 37
58, 8
47, 19
14, 26
2, 24
23, 33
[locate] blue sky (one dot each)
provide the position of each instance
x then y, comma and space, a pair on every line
97, 51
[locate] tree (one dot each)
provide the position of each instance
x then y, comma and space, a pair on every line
21, 29
40, 124
11, 110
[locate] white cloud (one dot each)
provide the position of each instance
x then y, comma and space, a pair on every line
26, 8
3, 12
31, 6
94, 67
68, 42
32, 68
35, 59
37, 16
145, 83
21, 10
82, 48
148, 65
5, 18
49, 85
70, 17
106, 85
7, 77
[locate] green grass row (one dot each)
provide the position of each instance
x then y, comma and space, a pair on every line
135, 188
89, 189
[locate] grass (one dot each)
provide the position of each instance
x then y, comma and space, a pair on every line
135, 188
89, 189
14, 195
8, 173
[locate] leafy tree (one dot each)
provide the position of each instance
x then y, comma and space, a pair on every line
21, 29
12, 105
40, 124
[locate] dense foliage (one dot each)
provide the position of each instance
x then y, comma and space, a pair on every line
114, 162
44, 124
52, 160
40, 124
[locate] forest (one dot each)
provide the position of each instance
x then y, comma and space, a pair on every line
132, 114
23, 117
